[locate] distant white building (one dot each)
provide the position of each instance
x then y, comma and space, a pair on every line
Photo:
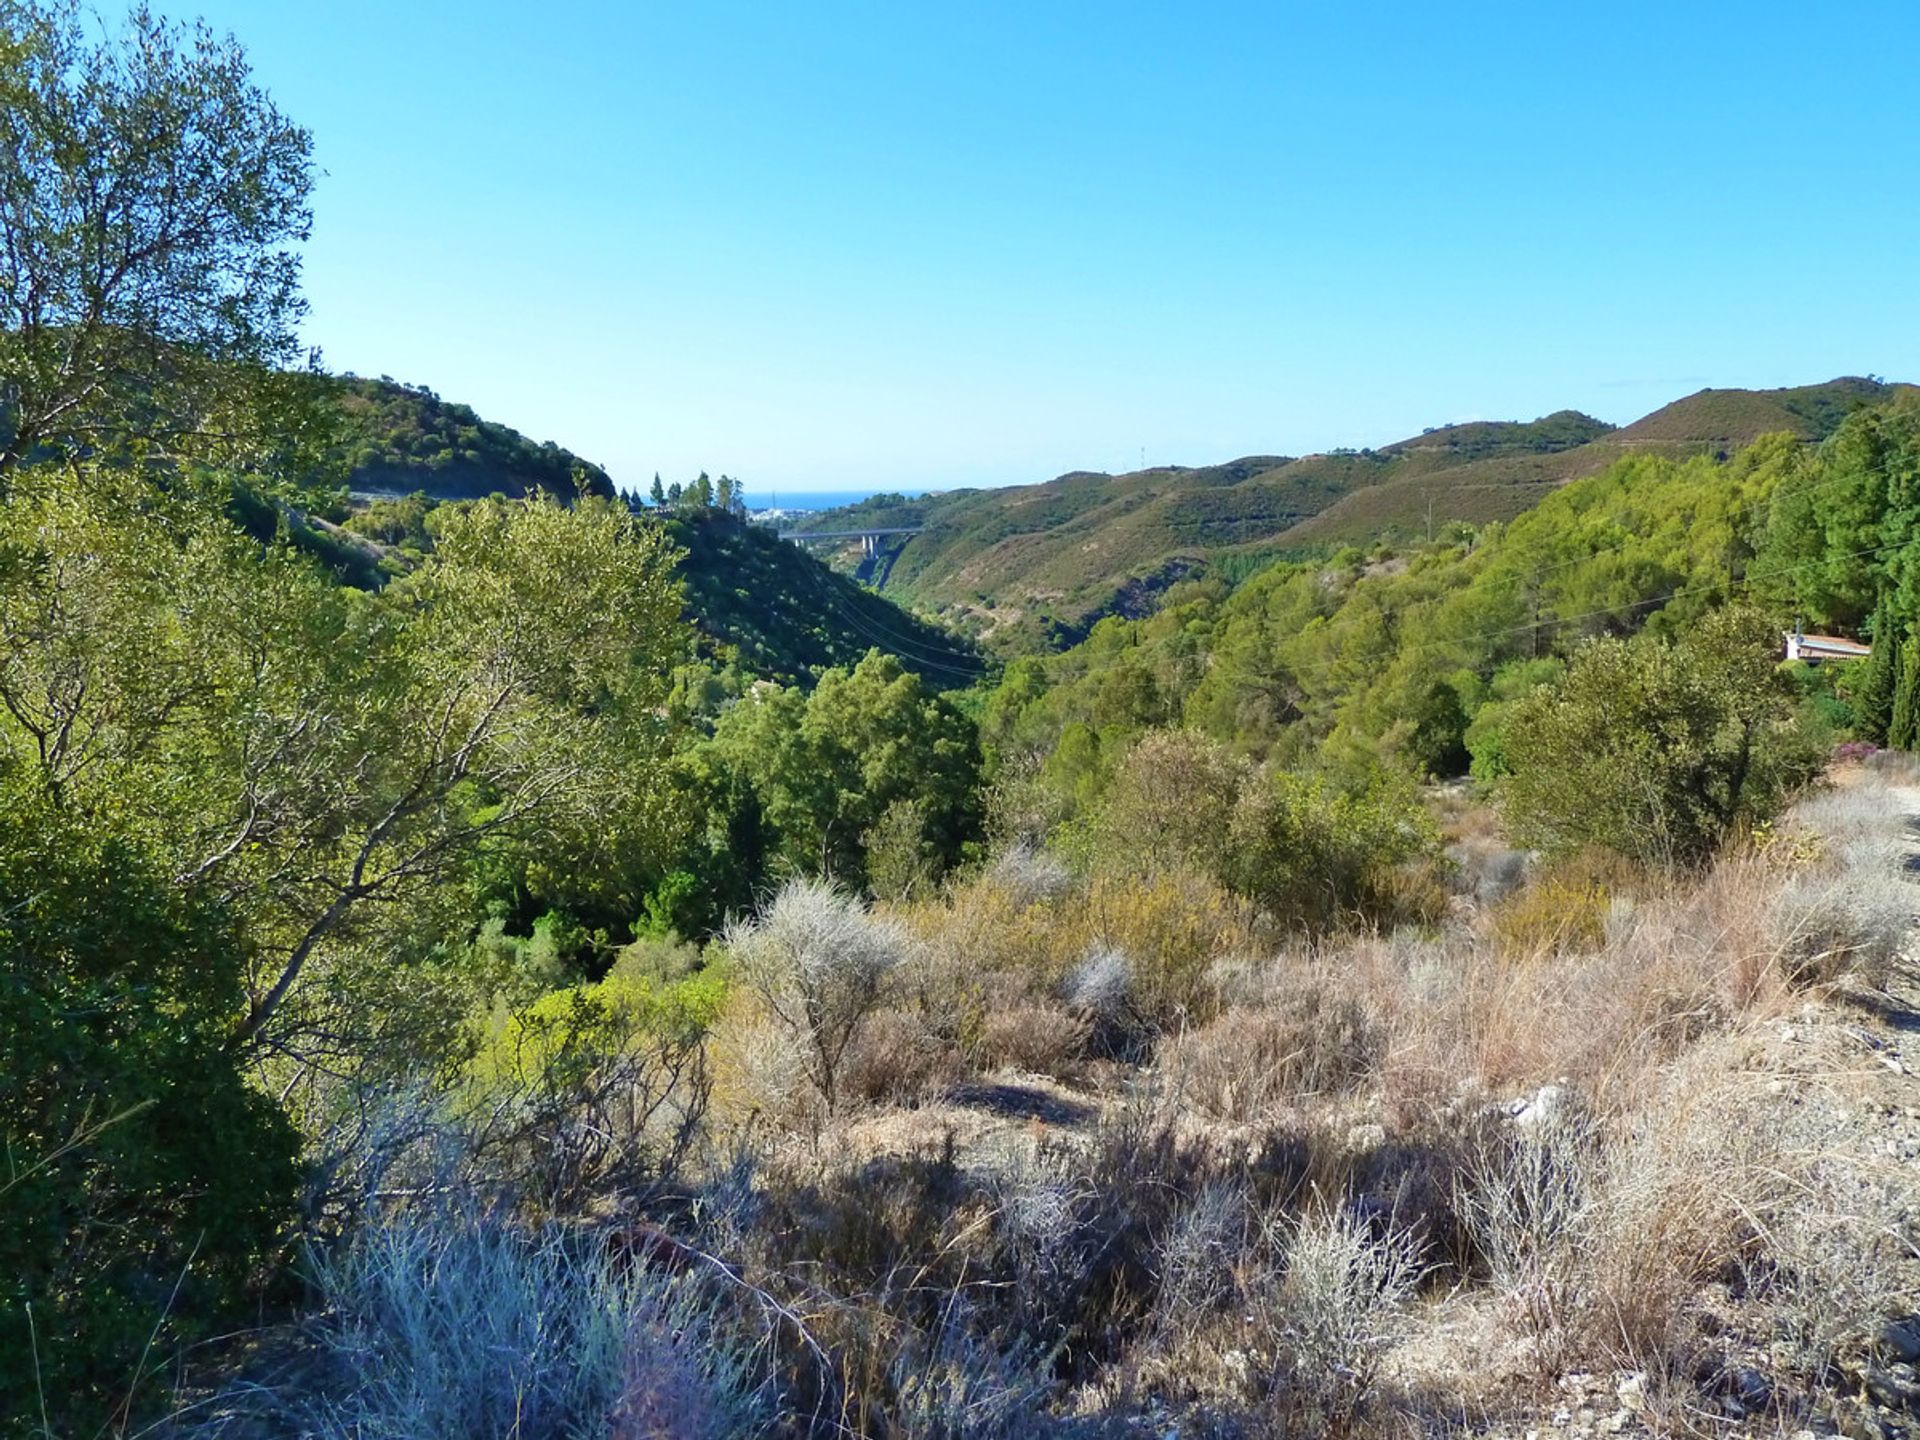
1815, 648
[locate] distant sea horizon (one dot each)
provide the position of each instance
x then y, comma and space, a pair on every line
763, 499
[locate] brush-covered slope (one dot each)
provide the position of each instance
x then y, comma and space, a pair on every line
1041, 561
1732, 418
1710, 422
399, 439
1048, 558
779, 614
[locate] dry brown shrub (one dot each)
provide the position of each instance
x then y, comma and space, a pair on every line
896, 1059
1174, 927
1038, 1038
1314, 1035
1667, 970
1553, 916
990, 938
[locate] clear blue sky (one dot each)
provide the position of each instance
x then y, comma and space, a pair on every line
840, 245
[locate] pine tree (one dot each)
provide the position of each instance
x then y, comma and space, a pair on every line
1904, 728
659, 493
1873, 704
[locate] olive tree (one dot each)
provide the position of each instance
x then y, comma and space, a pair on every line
151, 197
319, 761
1658, 750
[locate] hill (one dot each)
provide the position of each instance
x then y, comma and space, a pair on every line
1732, 418
779, 614
401, 439
755, 601
1415, 650
1039, 563
1709, 422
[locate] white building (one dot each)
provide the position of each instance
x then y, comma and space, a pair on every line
1815, 648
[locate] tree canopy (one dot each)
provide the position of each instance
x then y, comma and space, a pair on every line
151, 199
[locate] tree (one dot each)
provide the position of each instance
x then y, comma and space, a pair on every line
1315, 854
1903, 724
658, 494
150, 200
825, 767
322, 762
142, 1178
1658, 750
1168, 804
1879, 679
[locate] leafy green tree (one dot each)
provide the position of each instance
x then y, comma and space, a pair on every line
329, 763
1010, 714
151, 202
657, 495
1903, 723
143, 1180
1315, 854
1437, 731
901, 862
825, 767
1880, 677
1168, 804
1658, 750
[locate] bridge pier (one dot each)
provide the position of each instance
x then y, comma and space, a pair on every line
869, 539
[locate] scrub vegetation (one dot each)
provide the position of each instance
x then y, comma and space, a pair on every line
512, 965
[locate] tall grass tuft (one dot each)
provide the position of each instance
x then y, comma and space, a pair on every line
441, 1325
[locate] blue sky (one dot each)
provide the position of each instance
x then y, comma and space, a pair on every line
842, 245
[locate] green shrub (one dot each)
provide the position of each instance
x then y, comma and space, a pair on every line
593, 1089
1659, 751
1311, 853
143, 1182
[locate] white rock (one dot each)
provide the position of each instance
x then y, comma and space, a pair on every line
1545, 1103
1632, 1391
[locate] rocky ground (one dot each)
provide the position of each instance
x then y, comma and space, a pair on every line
1840, 1075
1845, 1070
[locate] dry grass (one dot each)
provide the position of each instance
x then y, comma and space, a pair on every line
1251, 1182
1314, 1035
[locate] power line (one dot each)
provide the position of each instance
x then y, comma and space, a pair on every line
873, 631
825, 579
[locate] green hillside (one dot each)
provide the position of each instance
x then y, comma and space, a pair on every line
1038, 563
400, 439
1731, 418
755, 602
779, 614
1418, 653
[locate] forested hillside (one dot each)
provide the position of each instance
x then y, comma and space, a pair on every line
546, 966
1421, 654
759, 608
395, 439
1033, 563
778, 613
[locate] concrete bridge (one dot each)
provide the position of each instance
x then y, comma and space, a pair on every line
869, 539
